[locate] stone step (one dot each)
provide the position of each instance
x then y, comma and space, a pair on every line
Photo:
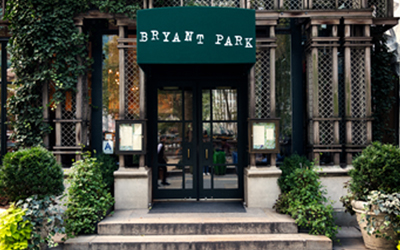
254, 222
196, 228
200, 242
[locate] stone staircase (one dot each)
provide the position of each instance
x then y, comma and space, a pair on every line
251, 229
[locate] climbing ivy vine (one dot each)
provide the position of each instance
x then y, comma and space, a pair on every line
383, 82
47, 48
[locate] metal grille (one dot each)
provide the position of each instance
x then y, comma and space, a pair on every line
379, 6
69, 107
326, 132
226, 3
68, 112
293, 4
359, 132
349, 4
262, 83
358, 96
197, 2
166, 3
68, 134
324, 5
325, 85
132, 93
358, 91
262, 4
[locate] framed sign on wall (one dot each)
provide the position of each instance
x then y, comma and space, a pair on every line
264, 135
130, 137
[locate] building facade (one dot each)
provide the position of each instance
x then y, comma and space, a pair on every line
311, 76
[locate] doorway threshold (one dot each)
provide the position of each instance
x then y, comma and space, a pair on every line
198, 207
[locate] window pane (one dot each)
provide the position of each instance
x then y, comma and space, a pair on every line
169, 105
110, 86
224, 104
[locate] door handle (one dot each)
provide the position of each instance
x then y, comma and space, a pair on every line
206, 154
188, 153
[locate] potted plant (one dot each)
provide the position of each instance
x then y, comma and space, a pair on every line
374, 183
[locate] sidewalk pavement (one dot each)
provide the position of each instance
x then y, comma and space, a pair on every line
350, 238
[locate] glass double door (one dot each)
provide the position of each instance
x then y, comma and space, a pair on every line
199, 155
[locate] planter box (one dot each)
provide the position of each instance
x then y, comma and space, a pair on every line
371, 241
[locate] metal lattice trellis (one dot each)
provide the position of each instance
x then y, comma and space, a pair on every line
132, 85
358, 96
166, 3
226, 3
68, 112
325, 85
326, 133
293, 4
262, 4
324, 4
216, 3
380, 7
358, 91
137, 2
68, 133
325, 95
349, 4
262, 84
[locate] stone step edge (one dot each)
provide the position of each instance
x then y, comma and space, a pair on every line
98, 239
157, 222
196, 228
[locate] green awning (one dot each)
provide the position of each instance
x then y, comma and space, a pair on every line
196, 35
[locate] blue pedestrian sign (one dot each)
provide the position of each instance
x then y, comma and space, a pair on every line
108, 147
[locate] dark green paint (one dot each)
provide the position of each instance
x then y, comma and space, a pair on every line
208, 21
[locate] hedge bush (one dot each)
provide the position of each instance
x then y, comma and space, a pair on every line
308, 204
108, 165
376, 168
87, 197
28, 172
290, 164
304, 198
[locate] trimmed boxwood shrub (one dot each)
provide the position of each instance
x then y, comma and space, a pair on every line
376, 168
28, 172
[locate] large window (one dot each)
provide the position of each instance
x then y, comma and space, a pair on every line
110, 84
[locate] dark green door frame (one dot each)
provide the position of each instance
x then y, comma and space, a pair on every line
240, 83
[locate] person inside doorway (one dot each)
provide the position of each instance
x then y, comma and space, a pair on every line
162, 159
206, 139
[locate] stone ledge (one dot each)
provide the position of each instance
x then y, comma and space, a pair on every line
333, 171
262, 172
132, 173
